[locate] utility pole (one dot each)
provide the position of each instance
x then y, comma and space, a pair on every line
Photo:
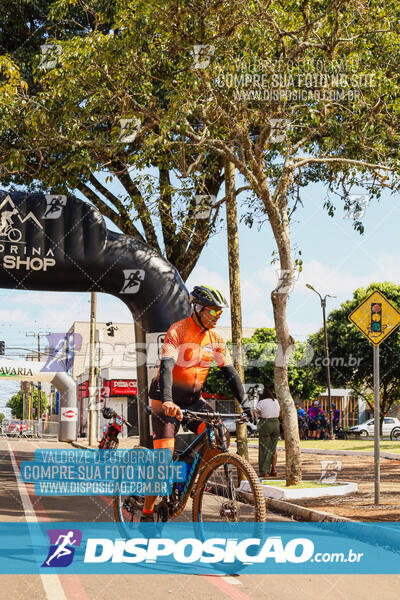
39, 387
92, 369
98, 340
235, 297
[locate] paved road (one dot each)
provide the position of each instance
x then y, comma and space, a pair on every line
18, 503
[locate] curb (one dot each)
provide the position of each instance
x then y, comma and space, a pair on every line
82, 446
299, 513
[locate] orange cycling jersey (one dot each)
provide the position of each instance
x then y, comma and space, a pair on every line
193, 351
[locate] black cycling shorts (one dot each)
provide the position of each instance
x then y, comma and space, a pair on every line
165, 428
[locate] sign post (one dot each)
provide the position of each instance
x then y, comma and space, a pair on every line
376, 318
377, 454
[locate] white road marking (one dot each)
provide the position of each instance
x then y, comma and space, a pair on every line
232, 580
51, 583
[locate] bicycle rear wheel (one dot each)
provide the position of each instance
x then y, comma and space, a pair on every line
228, 490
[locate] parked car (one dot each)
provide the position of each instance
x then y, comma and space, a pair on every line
367, 428
16, 427
230, 424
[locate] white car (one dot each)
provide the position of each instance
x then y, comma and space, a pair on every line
367, 428
230, 424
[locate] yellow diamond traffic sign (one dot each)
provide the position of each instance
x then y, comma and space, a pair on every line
376, 317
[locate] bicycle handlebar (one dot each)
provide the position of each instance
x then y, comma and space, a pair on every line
208, 415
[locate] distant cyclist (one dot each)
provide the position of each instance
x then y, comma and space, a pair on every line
313, 425
189, 348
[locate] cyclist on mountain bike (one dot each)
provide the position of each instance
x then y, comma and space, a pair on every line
189, 348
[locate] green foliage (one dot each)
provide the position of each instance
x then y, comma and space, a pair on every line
61, 131
16, 403
259, 355
351, 353
2, 417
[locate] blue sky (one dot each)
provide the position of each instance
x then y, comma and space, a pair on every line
336, 258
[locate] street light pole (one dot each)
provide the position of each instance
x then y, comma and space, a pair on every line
92, 367
328, 367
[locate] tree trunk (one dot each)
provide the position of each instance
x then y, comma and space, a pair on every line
282, 390
235, 296
280, 225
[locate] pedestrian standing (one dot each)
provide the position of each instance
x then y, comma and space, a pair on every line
268, 430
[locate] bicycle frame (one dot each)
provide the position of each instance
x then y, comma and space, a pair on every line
173, 504
199, 446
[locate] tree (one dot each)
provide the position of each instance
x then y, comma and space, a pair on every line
2, 417
259, 357
16, 404
351, 353
66, 126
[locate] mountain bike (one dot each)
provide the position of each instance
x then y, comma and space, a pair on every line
224, 487
112, 430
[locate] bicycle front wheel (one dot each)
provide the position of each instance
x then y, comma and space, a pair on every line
127, 507
228, 490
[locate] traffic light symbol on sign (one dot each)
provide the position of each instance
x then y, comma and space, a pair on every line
376, 317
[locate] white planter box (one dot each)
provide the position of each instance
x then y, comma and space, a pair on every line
282, 493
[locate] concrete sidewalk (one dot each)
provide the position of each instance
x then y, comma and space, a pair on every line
389, 455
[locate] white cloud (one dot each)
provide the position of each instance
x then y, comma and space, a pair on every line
13, 315
204, 276
58, 311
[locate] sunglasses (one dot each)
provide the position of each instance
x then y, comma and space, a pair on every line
214, 312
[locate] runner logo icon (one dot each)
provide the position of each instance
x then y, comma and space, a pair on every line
62, 547
55, 205
133, 280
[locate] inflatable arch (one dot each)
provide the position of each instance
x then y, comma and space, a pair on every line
59, 243
35, 371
